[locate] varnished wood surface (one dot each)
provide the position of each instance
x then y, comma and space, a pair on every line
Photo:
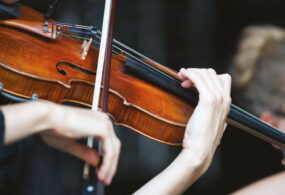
28, 65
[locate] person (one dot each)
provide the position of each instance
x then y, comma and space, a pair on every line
59, 125
258, 78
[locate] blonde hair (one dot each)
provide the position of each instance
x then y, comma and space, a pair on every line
260, 55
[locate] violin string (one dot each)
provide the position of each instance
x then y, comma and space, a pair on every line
73, 25
74, 36
251, 116
114, 40
146, 65
234, 108
67, 36
76, 31
97, 43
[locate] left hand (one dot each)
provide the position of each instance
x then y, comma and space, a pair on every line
208, 121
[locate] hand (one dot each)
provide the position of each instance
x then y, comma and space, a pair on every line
208, 121
59, 126
70, 123
203, 132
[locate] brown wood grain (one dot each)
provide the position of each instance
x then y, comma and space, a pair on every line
28, 65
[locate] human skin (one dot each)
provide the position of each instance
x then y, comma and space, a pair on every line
202, 136
59, 126
273, 184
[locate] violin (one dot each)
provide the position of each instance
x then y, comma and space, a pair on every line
47, 60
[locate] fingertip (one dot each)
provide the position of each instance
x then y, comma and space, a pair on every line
182, 70
183, 84
108, 182
186, 84
101, 174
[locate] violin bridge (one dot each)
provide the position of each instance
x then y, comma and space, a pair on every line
85, 48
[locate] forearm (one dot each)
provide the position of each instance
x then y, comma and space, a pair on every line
270, 185
176, 178
25, 119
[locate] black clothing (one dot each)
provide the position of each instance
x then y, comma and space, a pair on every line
28, 167
2, 126
7, 11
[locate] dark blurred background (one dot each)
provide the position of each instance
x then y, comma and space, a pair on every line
184, 33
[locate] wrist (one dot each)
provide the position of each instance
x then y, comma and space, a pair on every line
195, 153
45, 112
25, 119
53, 116
191, 159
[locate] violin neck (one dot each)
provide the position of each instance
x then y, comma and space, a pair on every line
253, 125
236, 117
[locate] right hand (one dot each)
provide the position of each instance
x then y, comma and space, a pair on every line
69, 123
208, 121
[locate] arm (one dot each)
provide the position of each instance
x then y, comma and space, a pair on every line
270, 185
203, 133
59, 126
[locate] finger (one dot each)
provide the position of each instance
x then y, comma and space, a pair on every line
215, 79
226, 82
108, 160
110, 153
115, 163
181, 76
83, 152
205, 73
187, 84
113, 159
197, 80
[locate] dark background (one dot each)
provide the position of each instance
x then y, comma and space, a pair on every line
193, 33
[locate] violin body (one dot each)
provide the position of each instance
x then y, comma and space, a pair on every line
31, 63
143, 95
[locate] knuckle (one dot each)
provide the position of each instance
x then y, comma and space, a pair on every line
204, 70
211, 70
228, 101
220, 99
227, 77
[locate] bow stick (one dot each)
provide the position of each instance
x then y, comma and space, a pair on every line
105, 51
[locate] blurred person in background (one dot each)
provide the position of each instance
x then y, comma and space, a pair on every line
259, 82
